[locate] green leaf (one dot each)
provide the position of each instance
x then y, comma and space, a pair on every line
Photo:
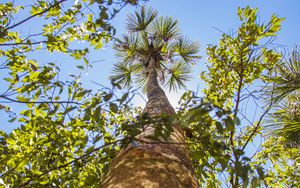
113, 107
82, 93
107, 97
219, 113
237, 121
229, 123
196, 154
23, 163
98, 137
219, 127
260, 172
12, 119
85, 61
255, 182
10, 141
103, 14
124, 97
90, 17
239, 152
70, 109
80, 67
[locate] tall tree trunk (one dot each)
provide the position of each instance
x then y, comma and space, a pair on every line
151, 164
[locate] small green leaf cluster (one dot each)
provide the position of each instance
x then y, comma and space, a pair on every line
285, 171
208, 129
240, 58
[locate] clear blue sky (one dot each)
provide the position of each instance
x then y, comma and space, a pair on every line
198, 19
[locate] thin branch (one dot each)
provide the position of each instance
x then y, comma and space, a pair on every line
23, 43
37, 14
88, 7
71, 162
33, 35
39, 102
257, 126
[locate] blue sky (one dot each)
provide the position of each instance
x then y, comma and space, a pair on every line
202, 21
198, 19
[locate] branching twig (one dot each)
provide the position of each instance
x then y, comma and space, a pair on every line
258, 124
71, 162
37, 14
39, 102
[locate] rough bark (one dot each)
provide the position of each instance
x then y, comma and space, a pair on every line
149, 163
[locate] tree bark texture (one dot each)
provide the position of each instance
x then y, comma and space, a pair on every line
153, 164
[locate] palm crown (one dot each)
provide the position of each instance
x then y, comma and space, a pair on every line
148, 37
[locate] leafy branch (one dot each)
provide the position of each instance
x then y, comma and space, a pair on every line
34, 15
39, 102
71, 162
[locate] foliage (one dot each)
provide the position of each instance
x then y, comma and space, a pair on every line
221, 133
285, 87
287, 76
240, 59
67, 133
148, 37
284, 163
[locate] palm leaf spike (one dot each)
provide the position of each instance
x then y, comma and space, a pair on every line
187, 49
127, 47
178, 74
165, 28
287, 121
141, 80
122, 74
140, 20
288, 79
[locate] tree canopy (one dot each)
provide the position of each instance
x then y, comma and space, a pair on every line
67, 135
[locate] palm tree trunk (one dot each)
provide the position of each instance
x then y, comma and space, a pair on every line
158, 102
153, 164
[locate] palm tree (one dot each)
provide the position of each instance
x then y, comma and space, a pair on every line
153, 52
288, 79
286, 93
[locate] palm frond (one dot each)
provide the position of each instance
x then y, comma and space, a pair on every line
187, 49
288, 79
287, 121
141, 79
140, 20
129, 48
122, 73
165, 29
146, 42
179, 73
286, 94
289, 133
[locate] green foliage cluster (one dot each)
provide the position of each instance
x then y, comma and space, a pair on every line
221, 133
66, 134
240, 59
